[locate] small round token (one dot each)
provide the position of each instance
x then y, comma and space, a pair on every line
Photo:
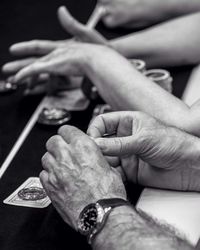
6, 87
160, 76
138, 64
32, 194
54, 116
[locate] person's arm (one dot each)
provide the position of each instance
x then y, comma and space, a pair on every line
76, 174
119, 84
134, 13
172, 43
127, 229
124, 88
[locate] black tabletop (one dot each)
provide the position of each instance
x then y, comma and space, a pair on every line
28, 228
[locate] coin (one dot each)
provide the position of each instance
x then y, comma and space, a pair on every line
6, 87
161, 77
54, 116
32, 193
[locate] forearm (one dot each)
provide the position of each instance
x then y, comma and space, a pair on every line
124, 88
174, 8
172, 43
126, 229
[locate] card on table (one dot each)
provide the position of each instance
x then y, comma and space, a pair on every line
16, 200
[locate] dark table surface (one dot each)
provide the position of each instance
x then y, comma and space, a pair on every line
28, 228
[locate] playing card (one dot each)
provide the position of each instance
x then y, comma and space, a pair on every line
16, 200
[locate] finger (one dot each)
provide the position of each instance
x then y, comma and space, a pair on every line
34, 47
36, 68
48, 162
71, 134
121, 172
104, 124
113, 161
70, 24
44, 179
130, 168
57, 147
118, 146
13, 67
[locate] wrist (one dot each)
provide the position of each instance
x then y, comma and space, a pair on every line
118, 221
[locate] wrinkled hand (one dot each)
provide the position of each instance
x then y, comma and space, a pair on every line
132, 13
43, 47
170, 157
76, 174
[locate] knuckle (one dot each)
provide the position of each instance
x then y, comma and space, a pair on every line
85, 145
41, 175
62, 129
44, 159
52, 141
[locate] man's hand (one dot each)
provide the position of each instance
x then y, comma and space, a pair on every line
76, 174
171, 157
39, 48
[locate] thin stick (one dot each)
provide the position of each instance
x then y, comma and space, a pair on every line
21, 138
92, 22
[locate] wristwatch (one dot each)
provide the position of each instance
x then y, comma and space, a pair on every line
93, 217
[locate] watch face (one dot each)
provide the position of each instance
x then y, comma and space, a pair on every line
88, 219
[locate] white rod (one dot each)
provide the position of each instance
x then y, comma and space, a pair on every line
21, 138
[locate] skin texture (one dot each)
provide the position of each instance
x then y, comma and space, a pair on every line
166, 153
76, 174
126, 230
142, 13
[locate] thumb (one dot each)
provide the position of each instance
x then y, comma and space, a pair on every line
69, 23
118, 146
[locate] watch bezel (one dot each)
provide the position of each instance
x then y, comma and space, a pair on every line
99, 220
